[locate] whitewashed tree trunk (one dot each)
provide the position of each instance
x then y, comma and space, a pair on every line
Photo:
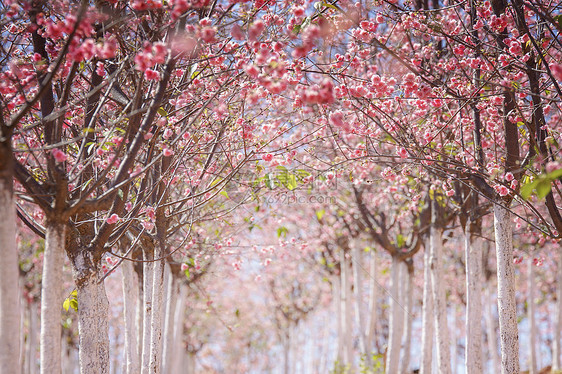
93, 320
172, 293
31, 346
349, 317
286, 353
507, 308
454, 341
558, 320
139, 318
130, 298
157, 313
440, 305
491, 331
408, 284
52, 298
10, 301
148, 279
532, 321
178, 349
372, 312
473, 253
293, 344
396, 323
346, 310
427, 314
338, 309
23, 320
358, 297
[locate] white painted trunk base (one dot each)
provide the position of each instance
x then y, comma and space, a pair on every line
558, 323
148, 280
177, 344
427, 314
172, 293
507, 308
473, 254
408, 294
372, 312
52, 299
10, 301
93, 326
358, 298
396, 319
533, 331
130, 298
439, 302
156, 322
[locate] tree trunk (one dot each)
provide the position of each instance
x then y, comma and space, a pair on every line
347, 326
396, 323
93, 316
473, 252
9, 279
408, 282
427, 314
130, 298
532, 322
507, 308
558, 323
139, 320
172, 293
52, 298
293, 343
491, 332
157, 312
147, 280
31, 346
10, 299
358, 294
177, 347
338, 309
286, 350
372, 312
439, 302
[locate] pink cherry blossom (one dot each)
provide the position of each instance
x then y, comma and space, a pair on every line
59, 155
114, 218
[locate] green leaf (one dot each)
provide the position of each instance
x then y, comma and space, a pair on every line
527, 189
542, 184
400, 241
282, 231
224, 193
331, 6
543, 188
162, 112
291, 182
187, 273
320, 213
71, 301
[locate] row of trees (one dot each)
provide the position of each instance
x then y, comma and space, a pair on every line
141, 129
